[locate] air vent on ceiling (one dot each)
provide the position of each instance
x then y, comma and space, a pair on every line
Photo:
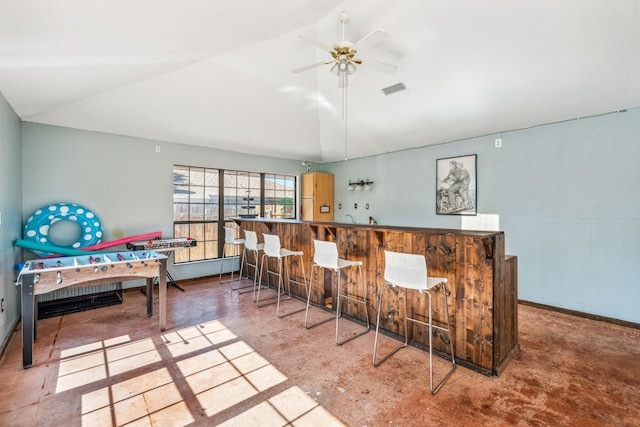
398, 87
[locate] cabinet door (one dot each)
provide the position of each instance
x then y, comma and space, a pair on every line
308, 184
324, 189
307, 209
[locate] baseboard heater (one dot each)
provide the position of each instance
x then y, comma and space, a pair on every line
66, 301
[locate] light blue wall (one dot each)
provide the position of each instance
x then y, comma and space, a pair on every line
10, 217
123, 180
567, 195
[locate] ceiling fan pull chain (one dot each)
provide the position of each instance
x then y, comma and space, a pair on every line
344, 103
344, 117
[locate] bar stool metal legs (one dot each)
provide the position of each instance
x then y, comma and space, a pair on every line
326, 256
251, 246
230, 240
404, 271
270, 300
356, 300
272, 249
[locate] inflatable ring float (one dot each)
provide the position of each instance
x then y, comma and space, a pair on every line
37, 226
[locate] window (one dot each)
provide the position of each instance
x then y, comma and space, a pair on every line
241, 194
198, 213
279, 196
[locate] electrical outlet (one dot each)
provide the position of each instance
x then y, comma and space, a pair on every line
366, 206
2, 306
498, 142
355, 206
158, 148
339, 205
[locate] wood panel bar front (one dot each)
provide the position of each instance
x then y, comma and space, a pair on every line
482, 287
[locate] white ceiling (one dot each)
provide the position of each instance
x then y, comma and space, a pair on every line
217, 73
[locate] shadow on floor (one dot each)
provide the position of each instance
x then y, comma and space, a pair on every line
222, 361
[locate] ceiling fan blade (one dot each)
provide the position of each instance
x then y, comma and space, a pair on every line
308, 67
310, 39
381, 66
373, 38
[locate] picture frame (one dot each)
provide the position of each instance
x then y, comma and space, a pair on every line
456, 178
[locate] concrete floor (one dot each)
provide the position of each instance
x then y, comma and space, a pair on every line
223, 361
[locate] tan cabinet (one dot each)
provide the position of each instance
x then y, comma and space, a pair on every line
317, 196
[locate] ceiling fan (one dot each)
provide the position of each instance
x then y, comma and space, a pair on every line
343, 52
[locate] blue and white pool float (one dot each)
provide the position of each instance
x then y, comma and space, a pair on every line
37, 226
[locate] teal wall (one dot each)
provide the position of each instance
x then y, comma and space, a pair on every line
122, 179
567, 195
10, 217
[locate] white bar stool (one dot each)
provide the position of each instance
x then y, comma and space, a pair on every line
251, 245
230, 240
409, 271
326, 256
272, 249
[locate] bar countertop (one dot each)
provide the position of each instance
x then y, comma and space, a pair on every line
377, 227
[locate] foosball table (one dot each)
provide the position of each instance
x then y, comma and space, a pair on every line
47, 275
164, 245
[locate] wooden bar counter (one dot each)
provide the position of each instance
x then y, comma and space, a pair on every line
483, 300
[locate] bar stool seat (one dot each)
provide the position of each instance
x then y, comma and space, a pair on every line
326, 256
230, 241
409, 272
273, 249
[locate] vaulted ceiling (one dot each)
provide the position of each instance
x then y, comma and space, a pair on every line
218, 73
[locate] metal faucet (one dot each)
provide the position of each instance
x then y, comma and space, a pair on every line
353, 220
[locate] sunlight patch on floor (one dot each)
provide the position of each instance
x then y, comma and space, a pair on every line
238, 373
138, 400
196, 338
88, 366
290, 407
207, 361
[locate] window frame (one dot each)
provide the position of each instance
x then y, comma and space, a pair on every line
228, 200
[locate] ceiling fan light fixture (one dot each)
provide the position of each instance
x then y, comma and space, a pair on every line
350, 67
343, 66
